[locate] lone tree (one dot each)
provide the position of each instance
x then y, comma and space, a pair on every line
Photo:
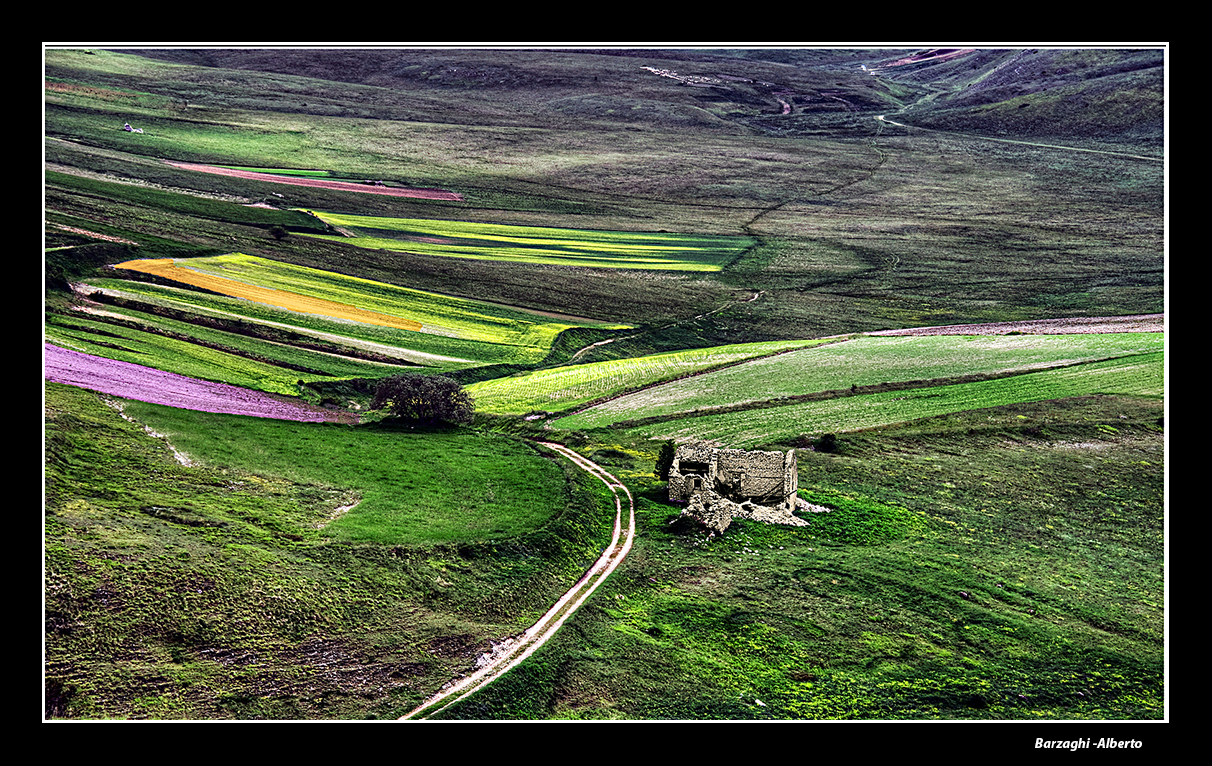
426, 399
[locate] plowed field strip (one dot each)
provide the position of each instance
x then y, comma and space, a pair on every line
515, 651
435, 194
303, 304
145, 384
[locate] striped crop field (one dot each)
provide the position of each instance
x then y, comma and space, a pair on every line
204, 353
410, 347
205, 276
864, 361
314, 292
176, 356
147, 384
542, 245
563, 388
1141, 375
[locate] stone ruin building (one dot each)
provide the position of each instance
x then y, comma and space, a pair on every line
719, 485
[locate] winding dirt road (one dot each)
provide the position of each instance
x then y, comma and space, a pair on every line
511, 652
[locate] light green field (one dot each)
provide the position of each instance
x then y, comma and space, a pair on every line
864, 361
1141, 375
532, 244
418, 488
566, 387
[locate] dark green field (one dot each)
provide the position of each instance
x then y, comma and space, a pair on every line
988, 555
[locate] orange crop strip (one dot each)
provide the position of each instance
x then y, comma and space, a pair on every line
164, 267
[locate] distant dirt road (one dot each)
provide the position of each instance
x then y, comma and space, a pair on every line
1070, 326
882, 118
391, 191
512, 651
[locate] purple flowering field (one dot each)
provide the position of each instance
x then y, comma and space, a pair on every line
133, 381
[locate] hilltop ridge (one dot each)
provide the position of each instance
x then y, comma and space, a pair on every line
1110, 94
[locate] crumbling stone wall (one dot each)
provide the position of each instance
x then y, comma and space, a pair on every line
719, 484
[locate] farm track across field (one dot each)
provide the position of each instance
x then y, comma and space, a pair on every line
882, 119
1071, 326
513, 651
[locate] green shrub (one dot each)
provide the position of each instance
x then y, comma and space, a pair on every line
427, 399
665, 460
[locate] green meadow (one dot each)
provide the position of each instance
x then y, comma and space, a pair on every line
284, 171
297, 547
992, 564
648, 245
490, 486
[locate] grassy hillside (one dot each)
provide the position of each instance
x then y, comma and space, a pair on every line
251, 585
1111, 96
1004, 563
678, 244
563, 247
